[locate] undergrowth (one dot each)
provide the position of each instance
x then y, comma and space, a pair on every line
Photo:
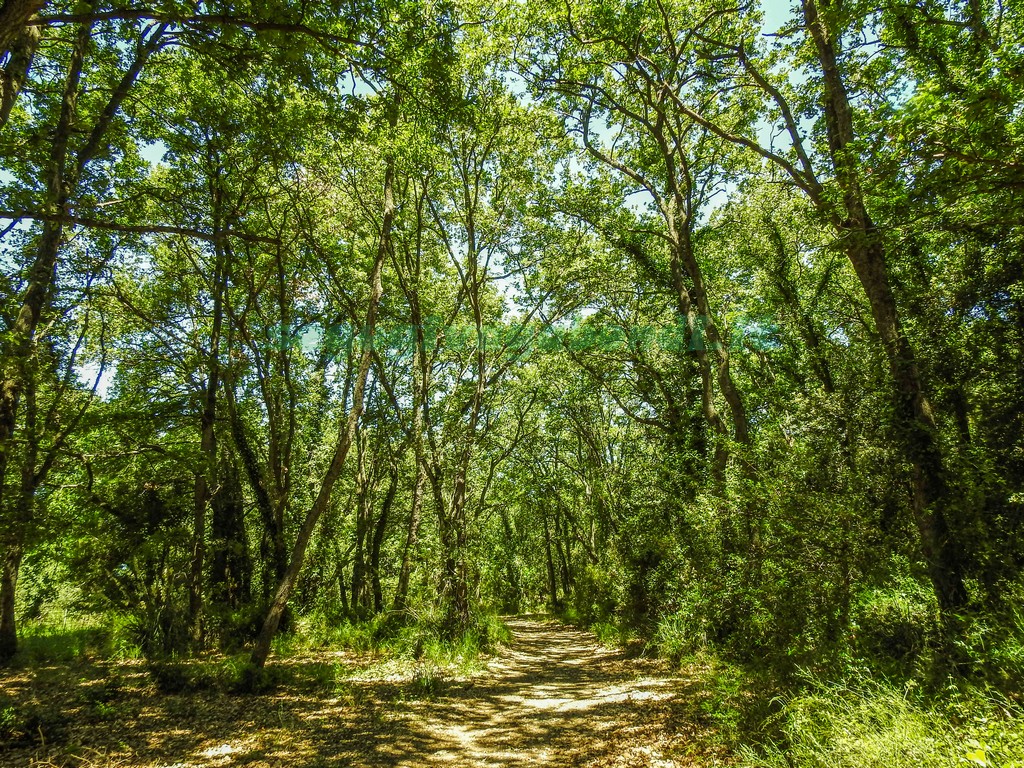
884, 695
871, 724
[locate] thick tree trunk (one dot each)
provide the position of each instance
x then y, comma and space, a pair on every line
277, 607
15, 73
14, 19
8, 590
914, 419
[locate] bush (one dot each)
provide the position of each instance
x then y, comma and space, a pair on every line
594, 596
681, 633
895, 624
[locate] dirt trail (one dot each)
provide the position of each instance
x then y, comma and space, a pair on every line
555, 697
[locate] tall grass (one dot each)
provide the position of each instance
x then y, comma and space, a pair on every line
875, 725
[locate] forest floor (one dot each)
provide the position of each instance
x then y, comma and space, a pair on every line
553, 697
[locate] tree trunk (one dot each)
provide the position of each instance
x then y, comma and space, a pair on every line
15, 73
231, 567
207, 476
8, 590
455, 581
272, 550
365, 486
420, 373
277, 607
411, 537
915, 422
379, 531
552, 580
21, 335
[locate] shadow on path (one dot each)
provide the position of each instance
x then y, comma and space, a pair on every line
555, 697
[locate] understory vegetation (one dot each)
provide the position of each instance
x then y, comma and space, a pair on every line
351, 327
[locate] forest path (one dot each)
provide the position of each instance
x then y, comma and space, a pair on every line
555, 697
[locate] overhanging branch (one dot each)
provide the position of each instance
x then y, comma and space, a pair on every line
138, 229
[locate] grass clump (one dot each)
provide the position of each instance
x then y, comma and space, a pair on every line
875, 725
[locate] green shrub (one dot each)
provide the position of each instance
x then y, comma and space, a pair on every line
594, 596
680, 633
895, 624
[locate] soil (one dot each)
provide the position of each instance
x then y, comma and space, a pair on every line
553, 697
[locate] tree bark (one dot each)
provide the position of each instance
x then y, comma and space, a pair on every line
272, 550
207, 476
420, 385
379, 531
14, 18
365, 487
277, 607
411, 539
15, 73
230, 565
549, 561
8, 591
915, 421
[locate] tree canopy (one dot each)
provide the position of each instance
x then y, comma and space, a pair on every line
703, 316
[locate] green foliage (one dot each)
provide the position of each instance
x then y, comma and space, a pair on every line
871, 724
29, 726
550, 188
895, 625
594, 597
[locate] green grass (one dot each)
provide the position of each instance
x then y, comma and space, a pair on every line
876, 725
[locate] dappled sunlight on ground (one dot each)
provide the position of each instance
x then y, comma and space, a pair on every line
554, 697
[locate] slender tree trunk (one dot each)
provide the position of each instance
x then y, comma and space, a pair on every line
206, 477
277, 608
20, 338
231, 567
552, 581
420, 373
411, 538
272, 550
365, 486
61, 181
8, 590
24, 504
379, 531
560, 551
